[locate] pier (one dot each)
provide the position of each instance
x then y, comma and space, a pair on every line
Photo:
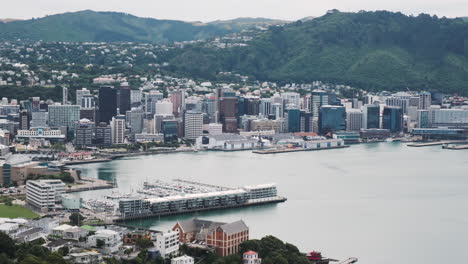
287, 150
436, 143
455, 147
88, 184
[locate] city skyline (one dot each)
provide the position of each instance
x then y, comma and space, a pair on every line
210, 10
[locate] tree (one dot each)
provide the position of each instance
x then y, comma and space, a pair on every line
144, 243
7, 245
76, 218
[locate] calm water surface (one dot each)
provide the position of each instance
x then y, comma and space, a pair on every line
383, 203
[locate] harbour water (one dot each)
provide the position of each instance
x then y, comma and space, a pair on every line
383, 203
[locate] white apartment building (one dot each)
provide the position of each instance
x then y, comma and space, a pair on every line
118, 129
215, 129
183, 260
167, 243
112, 240
193, 125
44, 194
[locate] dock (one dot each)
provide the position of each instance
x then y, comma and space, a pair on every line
436, 143
287, 150
88, 184
348, 261
455, 147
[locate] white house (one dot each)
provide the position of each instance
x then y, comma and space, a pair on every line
251, 257
60, 230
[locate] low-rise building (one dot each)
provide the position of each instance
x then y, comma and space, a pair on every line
107, 241
183, 260
251, 257
89, 257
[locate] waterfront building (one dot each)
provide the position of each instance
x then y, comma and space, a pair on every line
170, 130
449, 117
294, 120
146, 137
441, 133
425, 100
183, 260
392, 119
118, 129
228, 114
348, 137
84, 133
265, 124
225, 142
371, 116
354, 118
332, 119
193, 125
107, 103
375, 134
64, 115
44, 194
251, 257
423, 119
167, 243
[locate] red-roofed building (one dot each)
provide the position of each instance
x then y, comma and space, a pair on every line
251, 257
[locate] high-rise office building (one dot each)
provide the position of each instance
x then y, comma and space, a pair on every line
107, 103
84, 133
103, 134
39, 119
354, 118
401, 102
24, 119
294, 120
265, 107
64, 115
193, 125
44, 194
136, 118
423, 119
392, 119
170, 129
123, 98
306, 123
332, 119
291, 98
425, 100
64, 95
371, 116
319, 98
79, 95
178, 102
118, 129
228, 114
163, 108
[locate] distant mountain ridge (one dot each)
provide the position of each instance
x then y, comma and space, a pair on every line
8, 20
92, 26
371, 50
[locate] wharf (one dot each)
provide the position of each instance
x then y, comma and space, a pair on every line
78, 162
250, 203
287, 150
455, 147
436, 143
88, 184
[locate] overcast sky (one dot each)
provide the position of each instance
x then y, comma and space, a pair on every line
208, 10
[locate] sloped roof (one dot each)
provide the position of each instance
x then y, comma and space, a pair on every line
196, 225
234, 227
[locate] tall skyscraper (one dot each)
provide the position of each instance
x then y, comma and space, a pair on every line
294, 120
332, 119
371, 116
118, 129
424, 100
24, 119
319, 98
123, 98
64, 95
178, 102
392, 119
193, 124
306, 123
107, 103
136, 126
423, 119
228, 113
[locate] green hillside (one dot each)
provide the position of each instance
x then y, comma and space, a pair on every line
372, 50
88, 25
242, 23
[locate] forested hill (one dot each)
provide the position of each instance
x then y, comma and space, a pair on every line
373, 50
94, 26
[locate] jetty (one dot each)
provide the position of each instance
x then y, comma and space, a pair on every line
297, 149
